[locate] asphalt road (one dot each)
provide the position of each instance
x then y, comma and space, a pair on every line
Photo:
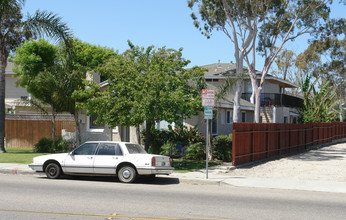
34, 197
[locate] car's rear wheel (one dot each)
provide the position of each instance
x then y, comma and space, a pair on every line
127, 174
53, 171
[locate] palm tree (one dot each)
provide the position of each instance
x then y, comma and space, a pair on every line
14, 30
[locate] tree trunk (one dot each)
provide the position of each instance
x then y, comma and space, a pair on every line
53, 126
3, 64
138, 131
341, 113
257, 104
76, 120
236, 106
239, 71
210, 149
148, 135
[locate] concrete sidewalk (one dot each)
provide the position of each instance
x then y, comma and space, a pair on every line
219, 176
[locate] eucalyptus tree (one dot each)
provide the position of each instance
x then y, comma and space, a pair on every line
263, 27
14, 30
223, 16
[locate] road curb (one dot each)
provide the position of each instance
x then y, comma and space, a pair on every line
16, 171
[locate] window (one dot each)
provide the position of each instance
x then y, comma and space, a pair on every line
86, 149
243, 116
92, 126
135, 149
285, 119
109, 149
229, 117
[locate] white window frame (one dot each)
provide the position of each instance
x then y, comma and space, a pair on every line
242, 116
230, 114
116, 129
98, 130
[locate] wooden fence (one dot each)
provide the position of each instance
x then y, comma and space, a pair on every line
252, 142
26, 130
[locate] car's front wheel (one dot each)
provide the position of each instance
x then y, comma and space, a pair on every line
53, 171
127, 174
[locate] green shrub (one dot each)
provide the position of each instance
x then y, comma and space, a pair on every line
187, 136
158, 138
195, 151
46, 145
179, 135
165, 149
62, 145
222, 147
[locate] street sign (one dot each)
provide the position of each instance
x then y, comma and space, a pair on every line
208, 112
208, 97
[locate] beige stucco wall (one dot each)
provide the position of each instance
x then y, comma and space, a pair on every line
222, 127
106, 134
271, 87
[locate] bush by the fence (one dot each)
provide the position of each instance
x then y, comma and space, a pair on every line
195, 151
222, 147
184, 135
46, 145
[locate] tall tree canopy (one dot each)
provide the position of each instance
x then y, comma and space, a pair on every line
326, 59
51, 73
146, 85
262, 27
14, 30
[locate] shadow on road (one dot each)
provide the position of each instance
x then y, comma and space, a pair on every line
160, 180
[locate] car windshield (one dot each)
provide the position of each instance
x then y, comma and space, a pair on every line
135, 149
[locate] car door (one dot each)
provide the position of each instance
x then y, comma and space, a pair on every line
81, 159
107, 157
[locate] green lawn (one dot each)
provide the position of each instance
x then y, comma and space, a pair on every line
18, 155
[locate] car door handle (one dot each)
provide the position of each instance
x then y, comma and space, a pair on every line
115, 158
90, 157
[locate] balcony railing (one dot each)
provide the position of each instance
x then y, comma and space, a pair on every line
268, 99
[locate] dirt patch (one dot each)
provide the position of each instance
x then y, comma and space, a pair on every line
327, 163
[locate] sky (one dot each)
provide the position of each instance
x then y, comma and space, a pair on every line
110, 23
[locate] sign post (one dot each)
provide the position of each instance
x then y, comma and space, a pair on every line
208, 101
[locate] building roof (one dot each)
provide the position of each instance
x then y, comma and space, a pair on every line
224, 70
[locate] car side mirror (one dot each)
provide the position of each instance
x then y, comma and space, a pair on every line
71, 153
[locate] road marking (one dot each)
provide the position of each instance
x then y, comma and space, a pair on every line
56, 213
113, 216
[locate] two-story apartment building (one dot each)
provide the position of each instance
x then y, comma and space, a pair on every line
276, 107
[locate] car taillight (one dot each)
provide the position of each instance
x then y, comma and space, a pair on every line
153, 161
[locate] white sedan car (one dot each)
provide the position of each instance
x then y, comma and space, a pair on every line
126, 160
